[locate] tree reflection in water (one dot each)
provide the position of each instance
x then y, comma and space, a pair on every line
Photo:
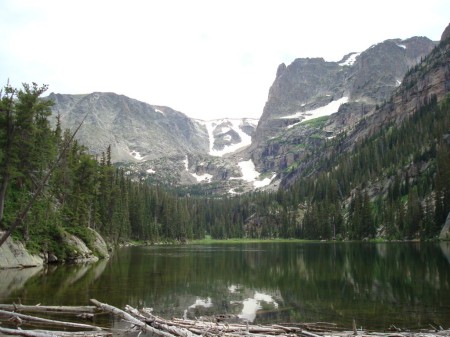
377, 284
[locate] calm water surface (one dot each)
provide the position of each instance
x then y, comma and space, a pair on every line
378, 285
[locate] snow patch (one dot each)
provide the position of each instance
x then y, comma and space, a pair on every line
227, 138
350, 60
150, 171
398, 83
401, 46
264, 182
250, 175
246, 140
160, 111
204, 177
186, 163
136, 155
225, 129
248, 170
326, 110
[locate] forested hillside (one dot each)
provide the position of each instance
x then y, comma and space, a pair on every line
393, 183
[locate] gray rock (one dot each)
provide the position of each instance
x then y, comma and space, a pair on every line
52, 258
100, 245
79, 252
310, 83
445, 232
446, 33
13, 254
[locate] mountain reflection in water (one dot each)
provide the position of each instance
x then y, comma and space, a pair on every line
377, 284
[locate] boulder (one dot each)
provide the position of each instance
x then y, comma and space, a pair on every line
79, 252
445, 232
100, 246
13, 254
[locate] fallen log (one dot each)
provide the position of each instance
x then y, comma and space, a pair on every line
46, 321
48, 309
146, 321
161, 324
127, 317
46, 333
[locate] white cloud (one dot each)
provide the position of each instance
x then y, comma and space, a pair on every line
209, 59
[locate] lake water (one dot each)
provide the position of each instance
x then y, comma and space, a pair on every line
377, 284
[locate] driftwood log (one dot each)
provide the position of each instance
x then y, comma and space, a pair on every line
21, 318
48, 333
48, 309
145, 321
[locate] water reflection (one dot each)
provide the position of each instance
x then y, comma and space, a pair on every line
12, 280
50, 285
377, 284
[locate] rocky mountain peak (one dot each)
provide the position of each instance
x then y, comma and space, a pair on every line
281, 69
446, 33
312, 87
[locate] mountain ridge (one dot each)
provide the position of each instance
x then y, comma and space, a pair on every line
149, 138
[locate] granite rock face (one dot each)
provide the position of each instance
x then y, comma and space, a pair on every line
446, 34
14, 255
351, 88
135, 130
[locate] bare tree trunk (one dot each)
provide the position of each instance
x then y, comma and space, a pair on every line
3, 188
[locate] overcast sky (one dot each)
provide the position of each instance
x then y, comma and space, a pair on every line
208, 59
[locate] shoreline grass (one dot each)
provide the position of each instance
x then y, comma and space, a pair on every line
209, 240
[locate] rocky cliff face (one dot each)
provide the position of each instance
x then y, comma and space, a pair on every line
164, 145
135, 130
310, 88
429, 79
156, 142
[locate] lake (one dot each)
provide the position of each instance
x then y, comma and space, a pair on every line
377, 284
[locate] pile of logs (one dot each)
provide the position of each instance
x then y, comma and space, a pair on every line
145, 322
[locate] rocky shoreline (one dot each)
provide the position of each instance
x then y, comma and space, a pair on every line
13, 253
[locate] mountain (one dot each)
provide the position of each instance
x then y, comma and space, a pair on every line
423, 83
160, 144
156, 142
385, 174
311, 87
135, 130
